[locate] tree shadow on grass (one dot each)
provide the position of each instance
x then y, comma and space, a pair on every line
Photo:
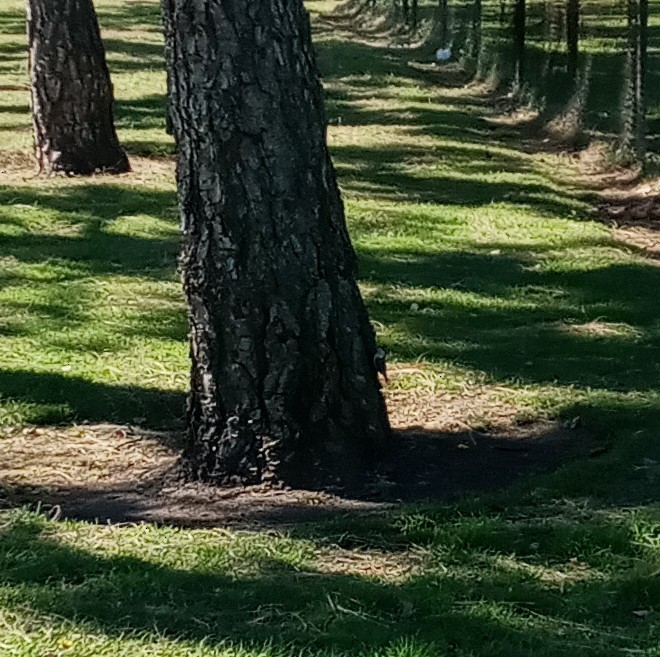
387, 174
133, 15
130, 56
257, 600
142, 113
94, 248
12, 22
55, 398
498, 314
416, 466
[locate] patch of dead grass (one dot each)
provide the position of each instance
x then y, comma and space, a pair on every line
396, 567
602, 329
82, 456
450, 412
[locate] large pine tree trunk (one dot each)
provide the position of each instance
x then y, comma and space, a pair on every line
72, 103
284, 384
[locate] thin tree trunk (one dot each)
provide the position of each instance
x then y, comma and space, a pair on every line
634, 108
477, 27
71, 92
443, 19
572, 36
414, 14
519, 27
284, 383
642, 65
405, 5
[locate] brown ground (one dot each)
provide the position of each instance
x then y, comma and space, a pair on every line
630, 205
116, 474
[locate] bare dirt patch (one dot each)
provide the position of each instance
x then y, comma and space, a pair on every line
629, 204
118, 474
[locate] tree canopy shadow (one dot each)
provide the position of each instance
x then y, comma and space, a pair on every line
502, 316
257, 601
58, 397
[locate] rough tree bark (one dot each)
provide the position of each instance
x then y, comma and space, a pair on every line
284, 383
71, 92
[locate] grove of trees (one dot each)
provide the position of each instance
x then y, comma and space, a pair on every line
284, 380
535, 50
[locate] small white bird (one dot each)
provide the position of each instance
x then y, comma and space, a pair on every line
443, 54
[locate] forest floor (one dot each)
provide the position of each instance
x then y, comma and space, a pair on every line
515, 287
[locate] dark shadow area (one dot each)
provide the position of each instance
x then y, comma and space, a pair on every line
133, 15
144, 113
95, 249
130, 56
12, 22
58, 398
632, 210
381, 172
418, 467
15, 109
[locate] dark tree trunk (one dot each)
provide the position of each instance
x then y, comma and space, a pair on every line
284, 383
405, 5
641, 74
519, 28
443, 20
414, 14
72, 104
634, 110
572, 36
477, 27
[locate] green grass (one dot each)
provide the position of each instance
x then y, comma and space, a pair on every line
480, 264
439, 582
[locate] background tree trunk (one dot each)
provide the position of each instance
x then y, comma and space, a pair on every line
477, 28
284, 384
572, 36
633, 139
519, 28
405, 6
72, 100
443, 21
641, 74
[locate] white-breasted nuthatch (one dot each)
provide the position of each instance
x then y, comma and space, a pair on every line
380, 363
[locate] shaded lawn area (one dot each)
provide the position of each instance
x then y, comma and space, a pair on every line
442, 582
486, 278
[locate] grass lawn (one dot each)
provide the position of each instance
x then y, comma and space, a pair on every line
495, 291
